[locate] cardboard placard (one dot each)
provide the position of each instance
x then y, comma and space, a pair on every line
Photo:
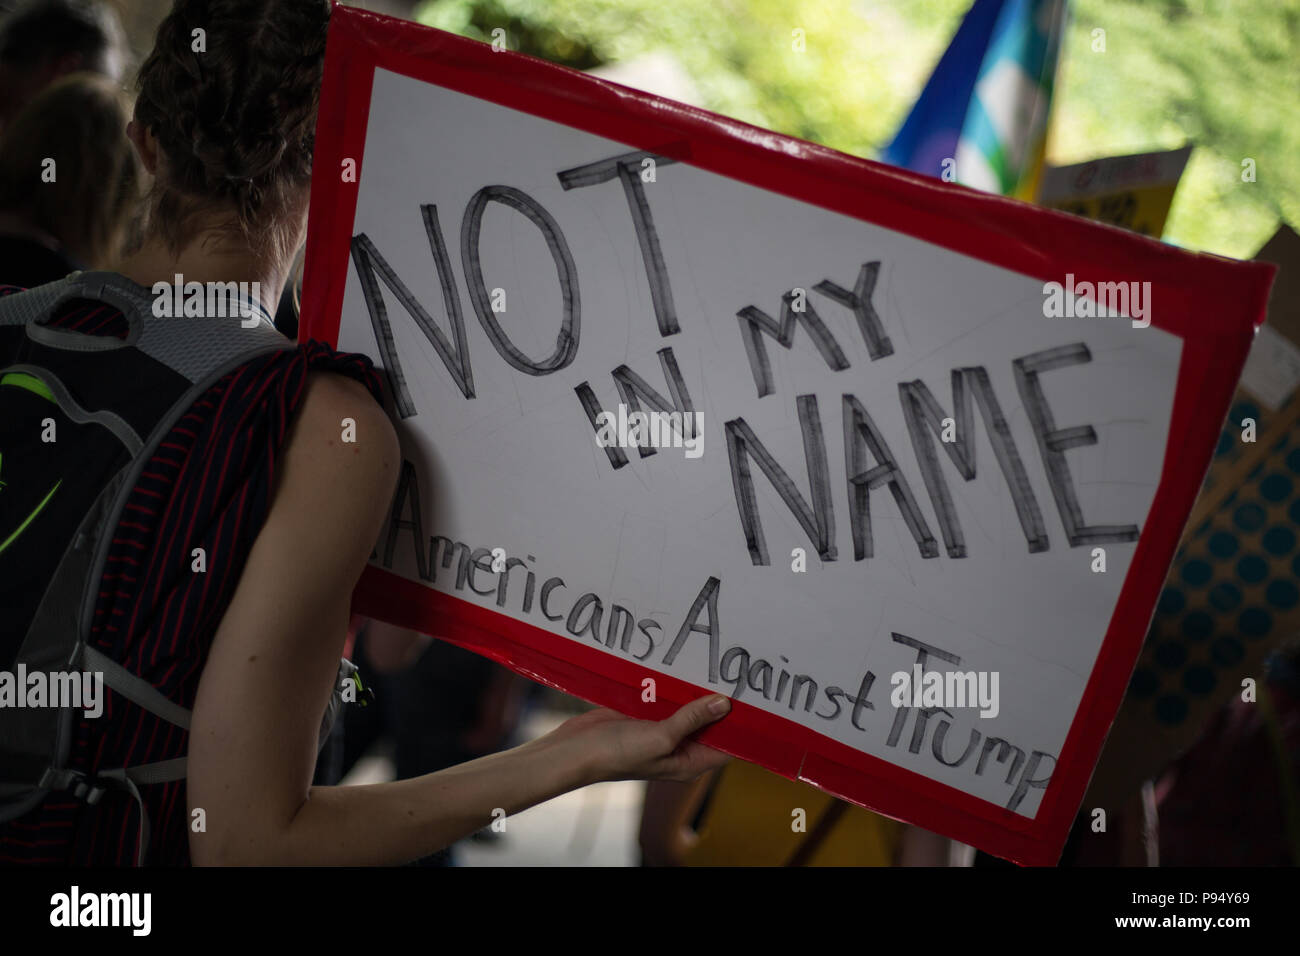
910, 444
1134, 192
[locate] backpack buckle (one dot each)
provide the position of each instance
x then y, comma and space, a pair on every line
88, 791
83, 788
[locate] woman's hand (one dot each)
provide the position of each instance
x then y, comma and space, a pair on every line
624, 748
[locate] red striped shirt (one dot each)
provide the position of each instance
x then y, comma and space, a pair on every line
208, 486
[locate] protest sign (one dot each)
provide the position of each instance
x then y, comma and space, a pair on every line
1134, 192
915, 478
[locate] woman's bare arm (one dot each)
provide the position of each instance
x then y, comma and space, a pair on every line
273, 661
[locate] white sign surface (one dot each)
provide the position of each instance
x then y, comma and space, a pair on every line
645, 550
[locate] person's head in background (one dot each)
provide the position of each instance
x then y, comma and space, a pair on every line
69, 182
42, 40
225, 120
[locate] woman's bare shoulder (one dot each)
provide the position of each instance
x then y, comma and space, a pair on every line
341, 452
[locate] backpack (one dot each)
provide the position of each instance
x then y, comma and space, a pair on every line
80, 419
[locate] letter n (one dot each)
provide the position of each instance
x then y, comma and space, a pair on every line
369, 265
818, 521
633, 390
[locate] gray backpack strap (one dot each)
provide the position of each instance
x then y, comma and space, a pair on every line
192, 346
159, 772
131, 779
126, 778
36, 303
74, 410
201, 350
133, 688
33, 305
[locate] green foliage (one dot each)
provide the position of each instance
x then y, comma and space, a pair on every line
1219, 73
1222, 75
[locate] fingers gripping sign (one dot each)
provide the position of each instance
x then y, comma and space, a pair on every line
625, 748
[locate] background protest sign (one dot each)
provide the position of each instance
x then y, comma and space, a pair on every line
523, 248
1130, 191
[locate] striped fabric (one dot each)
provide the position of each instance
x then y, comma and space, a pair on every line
208, 486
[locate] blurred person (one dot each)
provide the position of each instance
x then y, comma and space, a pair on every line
69, 182
42, 40
1234, 798
448, 705
254, 472
438, 704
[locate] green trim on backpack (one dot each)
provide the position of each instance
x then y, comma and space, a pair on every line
30, 518
29, 382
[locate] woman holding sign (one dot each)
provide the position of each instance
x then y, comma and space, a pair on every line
221, 604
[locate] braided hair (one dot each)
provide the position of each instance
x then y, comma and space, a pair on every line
230, 92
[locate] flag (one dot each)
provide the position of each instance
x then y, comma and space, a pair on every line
982, 117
